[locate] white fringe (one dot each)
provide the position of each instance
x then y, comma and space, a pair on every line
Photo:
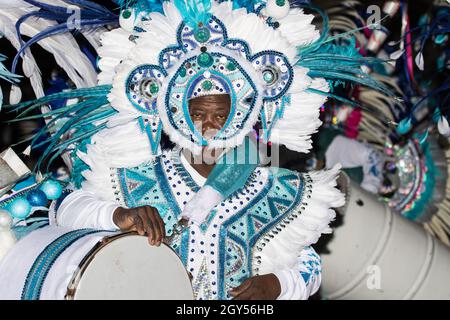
115, 47
300, 118
122, 146
253, 30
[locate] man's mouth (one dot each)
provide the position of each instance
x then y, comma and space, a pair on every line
210, 134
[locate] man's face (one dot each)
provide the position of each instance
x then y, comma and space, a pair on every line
209, 114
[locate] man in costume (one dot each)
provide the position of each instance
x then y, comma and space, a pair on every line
263, 231
206, 73
215, 250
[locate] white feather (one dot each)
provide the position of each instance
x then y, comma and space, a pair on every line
29, 65
253, 30
307, 225
94, 36
63, 47
13, 4
296, 27
300, 118
443, 127
111, 54
397, 54
27, 151
15, 95
419, 61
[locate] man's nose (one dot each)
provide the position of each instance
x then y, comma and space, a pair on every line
206, 126
209, 124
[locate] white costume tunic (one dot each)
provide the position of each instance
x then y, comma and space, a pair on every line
266, 227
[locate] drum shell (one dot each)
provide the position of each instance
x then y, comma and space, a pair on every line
376, 242
74, 263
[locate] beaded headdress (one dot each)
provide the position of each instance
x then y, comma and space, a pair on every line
202, 48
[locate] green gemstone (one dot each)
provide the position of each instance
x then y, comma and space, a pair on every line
126, 14
207, 85
231, 66
268, 76
202, 35
205, 60
154, 88
280, 3
183, 72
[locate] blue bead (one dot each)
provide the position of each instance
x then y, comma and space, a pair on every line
19, 208
404, 126
37, 198
52, 189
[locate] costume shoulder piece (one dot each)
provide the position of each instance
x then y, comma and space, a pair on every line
303, 222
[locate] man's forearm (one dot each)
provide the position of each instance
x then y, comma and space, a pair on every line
82, 209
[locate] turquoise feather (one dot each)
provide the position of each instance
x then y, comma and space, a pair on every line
338, 63
194, 11
404, 126
78, 119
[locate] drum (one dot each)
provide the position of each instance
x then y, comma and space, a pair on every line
58, 263
379, 254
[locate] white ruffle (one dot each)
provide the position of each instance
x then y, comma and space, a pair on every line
253, 30
281, 251
301, 118
115, 46
122, 146
298, 29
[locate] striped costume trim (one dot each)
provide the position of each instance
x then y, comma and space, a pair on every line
44, 262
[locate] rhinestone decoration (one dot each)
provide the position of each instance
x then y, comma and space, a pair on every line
276, 72
202, 35
200, 75
202, 284
142, 88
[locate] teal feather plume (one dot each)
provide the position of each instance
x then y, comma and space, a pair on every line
338, 63
69, 126
194, 11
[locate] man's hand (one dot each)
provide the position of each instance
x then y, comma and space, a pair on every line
264, 287
144, 220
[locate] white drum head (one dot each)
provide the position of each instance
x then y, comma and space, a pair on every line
129, 268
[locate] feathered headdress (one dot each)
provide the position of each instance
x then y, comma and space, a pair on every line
267, 55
